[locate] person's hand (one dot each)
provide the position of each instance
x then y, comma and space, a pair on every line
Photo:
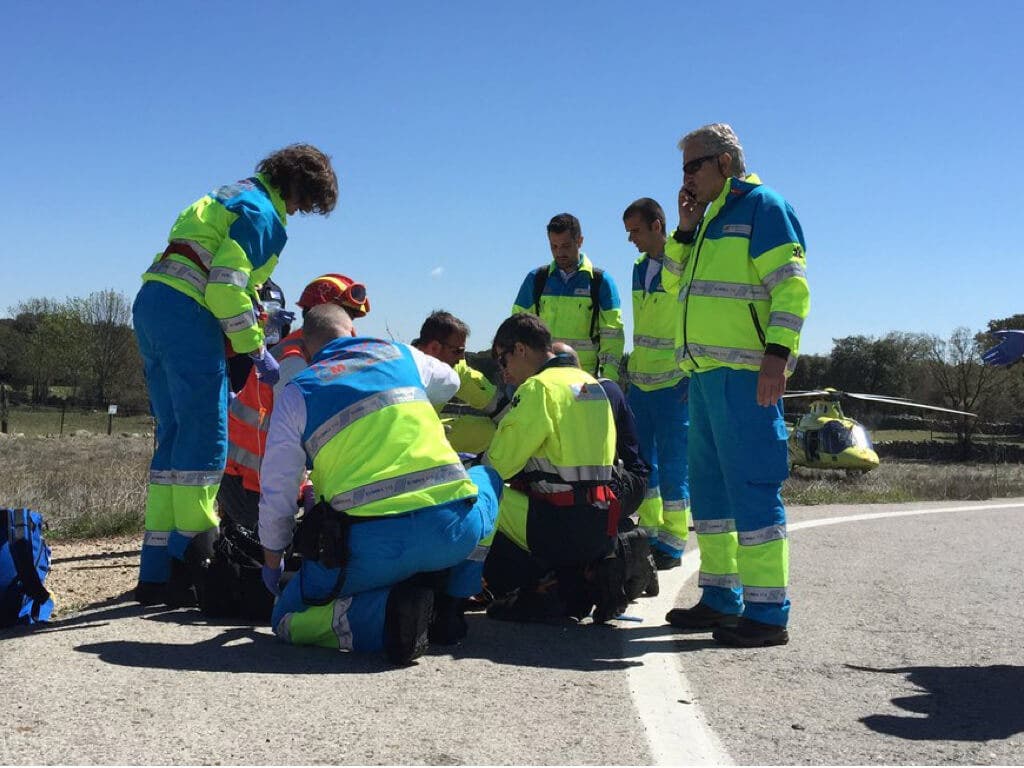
690, 211
272, 577
1010, 348
308, 498
266, 366
771, 381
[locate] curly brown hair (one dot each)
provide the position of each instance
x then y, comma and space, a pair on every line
303, 172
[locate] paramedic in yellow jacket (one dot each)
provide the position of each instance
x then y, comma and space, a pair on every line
443, 336
738, 257
577, 301
556, 446
199, 292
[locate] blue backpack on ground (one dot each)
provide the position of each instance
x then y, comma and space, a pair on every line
24, 564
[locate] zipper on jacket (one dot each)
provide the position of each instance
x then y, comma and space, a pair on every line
757, 323
686, 304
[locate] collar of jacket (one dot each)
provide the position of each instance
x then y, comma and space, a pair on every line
585, 265
275, 198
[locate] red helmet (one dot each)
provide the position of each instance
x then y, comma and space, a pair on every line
336, 289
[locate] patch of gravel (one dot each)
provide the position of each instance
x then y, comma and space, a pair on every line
91, 572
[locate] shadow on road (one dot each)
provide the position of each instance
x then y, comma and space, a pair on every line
959, 703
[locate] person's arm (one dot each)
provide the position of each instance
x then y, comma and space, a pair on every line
281, 474
524, 299
521, 431
777, 252
439, 380
612, 342
475, 389
291, 367
255, 237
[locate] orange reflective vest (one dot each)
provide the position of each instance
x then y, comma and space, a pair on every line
249, 417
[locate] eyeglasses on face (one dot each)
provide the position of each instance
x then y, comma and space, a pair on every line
457, 350
694, 165
502, 358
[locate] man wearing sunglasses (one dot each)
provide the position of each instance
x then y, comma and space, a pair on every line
556, 447
737, 259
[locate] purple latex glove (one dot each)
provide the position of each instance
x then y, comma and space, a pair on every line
272, 578
266, 366
1009, 350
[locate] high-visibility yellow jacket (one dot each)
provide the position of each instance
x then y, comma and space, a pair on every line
656, 323
475, 389
559, 431
237, 233
741, 279
567, 310
376, 444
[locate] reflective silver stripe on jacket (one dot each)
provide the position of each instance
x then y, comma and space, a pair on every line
582, 474
612, 333
580, 345
786, 320
655, 378
244, 412
725, 354
241, 322
722, 290
190, 275
674, 267
586, 392
339, 623
784, 272
762, 535
395, 486
722, 525
653, 342
246, 458
764, 595
204, 255
198, 477
726, 580
155, 538
229, 276
670, 540
479, 553
359, 409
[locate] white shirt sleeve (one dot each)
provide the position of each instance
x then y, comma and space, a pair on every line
282, 470
291, 367
439, 379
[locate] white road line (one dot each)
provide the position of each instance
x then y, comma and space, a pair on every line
678, 733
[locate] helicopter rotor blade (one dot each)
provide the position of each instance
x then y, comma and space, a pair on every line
866, 396
810, 393
912, 404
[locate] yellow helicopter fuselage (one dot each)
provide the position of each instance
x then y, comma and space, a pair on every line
825, 438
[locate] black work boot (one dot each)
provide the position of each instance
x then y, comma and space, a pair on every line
199, 556
653, 586
700, 618
635, 551
610, 594
448, 626
751, 634
407, 622
663, 561
150, 593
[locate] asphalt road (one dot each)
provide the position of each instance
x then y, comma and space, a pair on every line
905, 649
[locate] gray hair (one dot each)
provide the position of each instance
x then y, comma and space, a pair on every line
717, 138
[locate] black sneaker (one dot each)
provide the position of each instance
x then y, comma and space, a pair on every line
150, 593
407, 621
653, 587
751, 634
663, 561
700, 618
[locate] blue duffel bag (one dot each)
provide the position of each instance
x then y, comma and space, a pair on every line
24, 565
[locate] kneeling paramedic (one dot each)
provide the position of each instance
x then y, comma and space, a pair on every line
395, 501
195, 295
556, 446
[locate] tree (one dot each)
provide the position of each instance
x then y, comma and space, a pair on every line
955, 366
111, 345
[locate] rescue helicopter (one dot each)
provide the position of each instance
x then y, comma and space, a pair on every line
826, 438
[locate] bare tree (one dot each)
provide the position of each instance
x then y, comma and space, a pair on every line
955, 366
107, 314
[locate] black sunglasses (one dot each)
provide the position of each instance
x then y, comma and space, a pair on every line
502, 358
453, 348
694, 165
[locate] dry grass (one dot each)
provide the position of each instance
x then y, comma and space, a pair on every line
86, 487
895, 481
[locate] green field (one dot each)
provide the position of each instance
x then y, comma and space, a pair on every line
39, 422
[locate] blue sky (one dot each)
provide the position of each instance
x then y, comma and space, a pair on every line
458, 129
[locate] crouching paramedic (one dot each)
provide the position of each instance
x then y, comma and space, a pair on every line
200, 290
556, 444
444, 336
395, 500
249, 412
